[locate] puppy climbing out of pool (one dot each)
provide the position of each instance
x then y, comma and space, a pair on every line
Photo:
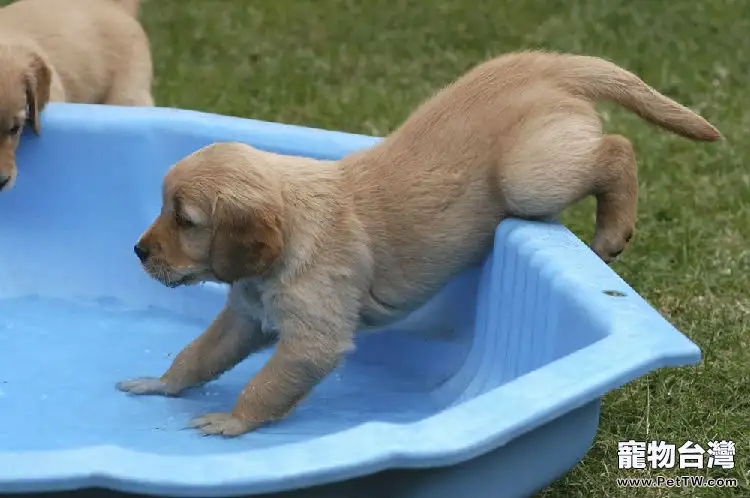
315, 250
83, 51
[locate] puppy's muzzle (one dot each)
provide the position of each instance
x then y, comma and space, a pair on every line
142, 252
4, 181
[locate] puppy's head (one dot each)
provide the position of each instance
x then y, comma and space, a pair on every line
221, 218
24, 91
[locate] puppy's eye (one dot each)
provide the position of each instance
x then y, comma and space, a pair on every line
14, 130
184, 222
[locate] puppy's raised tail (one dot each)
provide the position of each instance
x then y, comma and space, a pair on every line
132, 7
600, 80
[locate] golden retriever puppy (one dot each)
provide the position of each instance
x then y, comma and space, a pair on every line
316, 250
83, 51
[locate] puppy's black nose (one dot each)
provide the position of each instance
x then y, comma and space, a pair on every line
4, 180
141, 252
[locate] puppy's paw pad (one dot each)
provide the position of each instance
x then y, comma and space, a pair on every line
144, 385
221, 424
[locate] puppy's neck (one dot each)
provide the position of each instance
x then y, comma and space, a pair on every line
312, 209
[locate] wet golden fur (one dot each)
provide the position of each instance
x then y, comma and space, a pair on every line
315, 250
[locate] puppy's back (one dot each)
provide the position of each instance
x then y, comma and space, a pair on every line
132, 7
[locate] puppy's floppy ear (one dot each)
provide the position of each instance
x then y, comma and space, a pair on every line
38, 82
246, 242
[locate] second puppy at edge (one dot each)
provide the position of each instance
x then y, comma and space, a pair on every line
315, 250
80, 51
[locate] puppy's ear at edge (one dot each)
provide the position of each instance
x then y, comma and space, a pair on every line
38, 83
245, 244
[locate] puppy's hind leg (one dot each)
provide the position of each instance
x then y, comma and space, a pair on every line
616, 194
129, 97
550, 164
226, 342
560, 158
131, 85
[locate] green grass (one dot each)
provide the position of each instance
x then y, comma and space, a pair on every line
364, 66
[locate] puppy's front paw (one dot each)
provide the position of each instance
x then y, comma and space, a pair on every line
222, 424
147, 385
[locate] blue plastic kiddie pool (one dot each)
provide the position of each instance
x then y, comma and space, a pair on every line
491, 389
